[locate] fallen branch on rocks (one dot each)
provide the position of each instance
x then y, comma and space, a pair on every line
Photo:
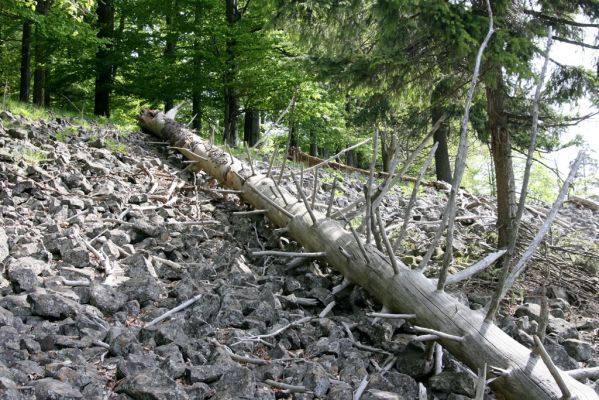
409, 291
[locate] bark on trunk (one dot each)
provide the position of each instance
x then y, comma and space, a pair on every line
104, 67
169, 48
25, 83
251, 127
501, 150
407, 292
231, 135
388, 148
40, 73
313, 143
442, 164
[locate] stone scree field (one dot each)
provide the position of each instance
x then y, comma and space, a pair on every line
96, 244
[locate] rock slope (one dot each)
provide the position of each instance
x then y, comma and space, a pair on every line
96, 245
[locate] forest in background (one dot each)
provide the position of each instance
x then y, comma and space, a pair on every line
330, 72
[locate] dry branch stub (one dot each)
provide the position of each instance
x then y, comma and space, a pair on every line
407, 292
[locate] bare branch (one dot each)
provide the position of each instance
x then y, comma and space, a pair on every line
503, 287
475, 268
540, 349
408, 212
368, 190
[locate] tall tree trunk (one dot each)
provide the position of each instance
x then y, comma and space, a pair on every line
40, 72
233, 15
388, 147
251, 127
196, 96
442, 164
169, 48
501, 150
313, 143
231, 111
196, 108
104, 66
25, 83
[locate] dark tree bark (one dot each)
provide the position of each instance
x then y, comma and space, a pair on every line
196, 96
169, 49
251, 127
233, 15
388, 148
313, 143
442, 163
196, 108
40, 73
350, 158
104, 66
231, 112
501, 150
25, 83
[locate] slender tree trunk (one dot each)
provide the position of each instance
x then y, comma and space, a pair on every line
169, 49
104, 66
40, 56
231, 97
25, 83
231, 112
313, 143
501, 151
388, 147
442, 163
251, 127
196, 109
196, 96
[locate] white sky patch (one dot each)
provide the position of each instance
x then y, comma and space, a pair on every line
568, 54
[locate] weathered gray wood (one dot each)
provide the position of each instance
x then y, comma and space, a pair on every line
407, 292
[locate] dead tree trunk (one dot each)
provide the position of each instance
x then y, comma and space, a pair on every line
409, 291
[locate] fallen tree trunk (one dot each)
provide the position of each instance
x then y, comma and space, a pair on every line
525, 377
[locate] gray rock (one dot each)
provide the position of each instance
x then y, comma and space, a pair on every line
52, 389
77, 255
199, 391
18, 133
403, 386
579, 350
340, 392
172, 362
143, 289
17, 304
135, 364
206, 373
52, 305
559, 355
236, 383
108, 299
122, 343
25, 250
413, 362
151, 384
562, 328
3, 244
316, 380
119, 237
23, 279
10, 390
6, 317
530, 310
453, 382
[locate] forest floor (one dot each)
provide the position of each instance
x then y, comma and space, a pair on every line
103, 232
